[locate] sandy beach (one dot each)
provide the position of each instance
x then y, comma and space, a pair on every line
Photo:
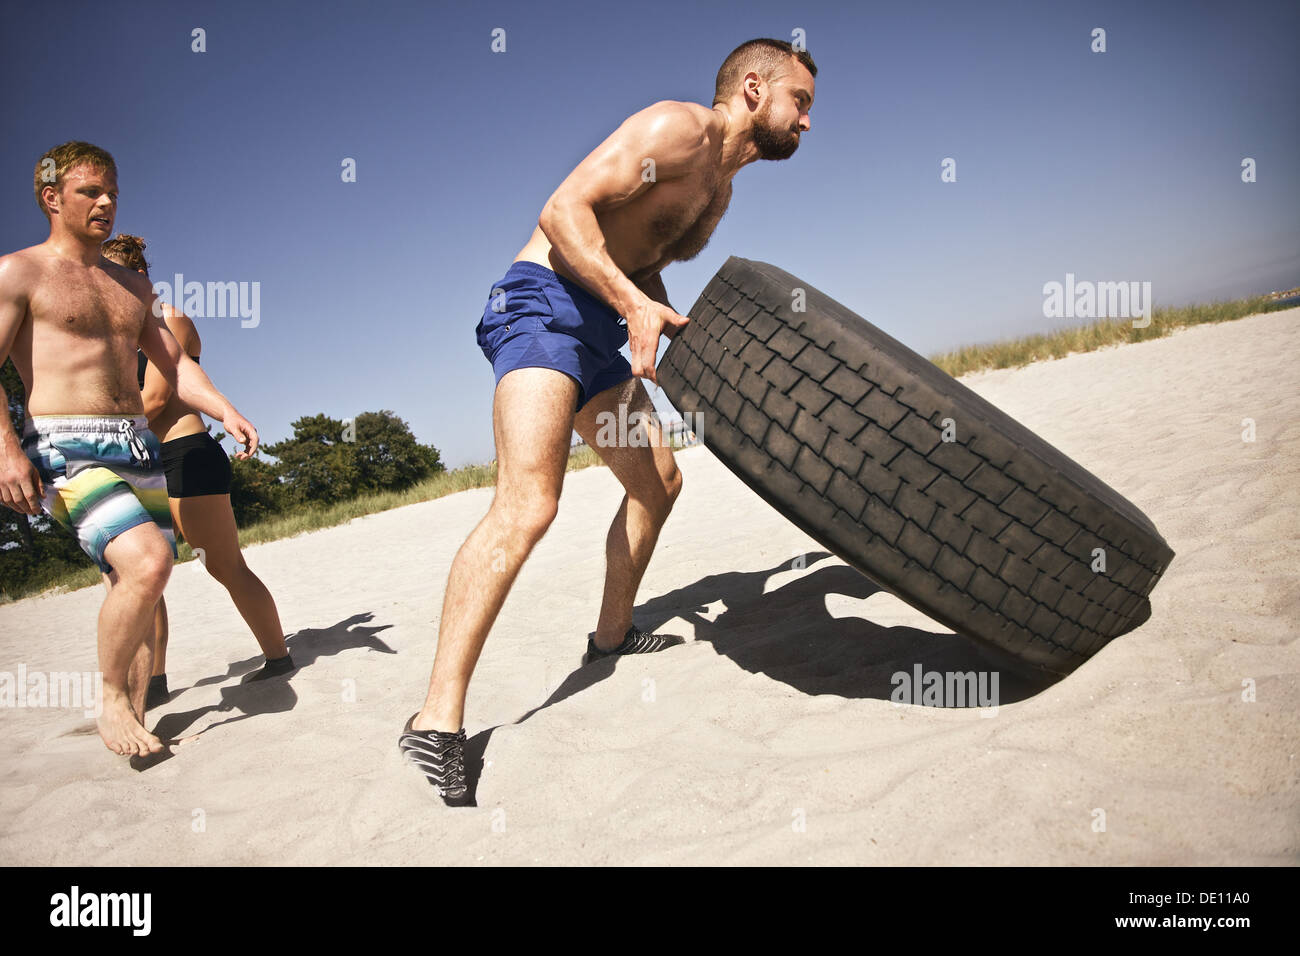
770, 737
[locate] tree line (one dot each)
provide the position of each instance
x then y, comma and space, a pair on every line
326, 460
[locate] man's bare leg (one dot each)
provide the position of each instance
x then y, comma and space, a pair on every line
160, 635
140, 670
652, 481
208, 523
532, 419
159, 630
142, 561
137, 678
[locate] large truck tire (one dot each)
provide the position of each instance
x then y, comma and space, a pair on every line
907, 474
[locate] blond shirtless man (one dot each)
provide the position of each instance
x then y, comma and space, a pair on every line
72, 321
588, 281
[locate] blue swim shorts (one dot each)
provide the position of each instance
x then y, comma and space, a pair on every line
537, 319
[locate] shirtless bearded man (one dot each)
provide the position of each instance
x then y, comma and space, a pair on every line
551, 329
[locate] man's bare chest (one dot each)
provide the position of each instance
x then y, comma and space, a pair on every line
684, 220
86, 304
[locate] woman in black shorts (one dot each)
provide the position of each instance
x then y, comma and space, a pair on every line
198, 491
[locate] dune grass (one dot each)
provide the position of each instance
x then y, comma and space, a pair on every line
1015, 353
58, 577
444, 483
314, 517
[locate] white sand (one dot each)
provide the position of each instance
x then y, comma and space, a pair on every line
771, 738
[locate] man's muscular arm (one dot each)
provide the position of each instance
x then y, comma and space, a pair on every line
654, 290
156, 392
20, 486
190, 382
674, 137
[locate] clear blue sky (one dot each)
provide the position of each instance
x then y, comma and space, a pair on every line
1116, 166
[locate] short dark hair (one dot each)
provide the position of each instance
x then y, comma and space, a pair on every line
127, 251
762, 56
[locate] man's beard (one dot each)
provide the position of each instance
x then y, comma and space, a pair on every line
773, 143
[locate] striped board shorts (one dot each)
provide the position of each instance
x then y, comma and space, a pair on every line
102, 476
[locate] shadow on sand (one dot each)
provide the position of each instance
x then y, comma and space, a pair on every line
789, 635
252, 697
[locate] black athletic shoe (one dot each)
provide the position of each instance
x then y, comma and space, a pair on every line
272, 668
634, 642
157, 694
440, 756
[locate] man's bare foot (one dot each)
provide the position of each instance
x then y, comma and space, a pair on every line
122, 733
